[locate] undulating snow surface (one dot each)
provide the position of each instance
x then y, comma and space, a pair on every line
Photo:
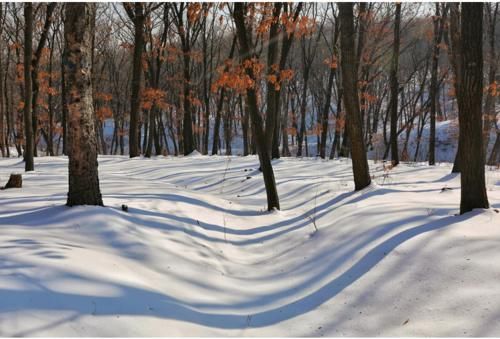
197, 253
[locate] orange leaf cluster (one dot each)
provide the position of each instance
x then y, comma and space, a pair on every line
339, 124
331, 62
194, 12
103, 113
153, 97
492, 89
368, 97
106, 97
235, 77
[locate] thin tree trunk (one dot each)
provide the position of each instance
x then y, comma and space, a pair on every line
35, 62
455, 59
494, 158
303, 108
336, 138
326, 110
395, 87
28, 52
434, 88
215, 141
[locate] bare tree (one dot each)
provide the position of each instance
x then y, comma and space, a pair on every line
28, 52
439, 21
395, 87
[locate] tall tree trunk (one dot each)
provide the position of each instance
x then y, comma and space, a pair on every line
64, 108
251, 98
272, 71
218, 117
3, 140
244, 124
303, 110
395, 87
206, 94
336, 138
151, 128
434, 88
220, 102
137, 16
285, 151
455, 59
494, 158
287, 41
324, 115
351, 102
345, 147
472, 178
28, 52
489, 106
35, 63
187, 124
82, 142
50, 129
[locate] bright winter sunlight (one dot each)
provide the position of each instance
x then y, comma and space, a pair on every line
279, 169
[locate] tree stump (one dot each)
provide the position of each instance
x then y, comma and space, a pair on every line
15, 181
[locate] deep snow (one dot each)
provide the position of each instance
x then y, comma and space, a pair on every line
197, 254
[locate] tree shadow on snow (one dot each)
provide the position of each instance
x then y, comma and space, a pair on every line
144, 302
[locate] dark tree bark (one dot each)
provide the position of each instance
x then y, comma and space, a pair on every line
303, 107
287, 41
136, 14
351, 102
188, 31
50, 129
324, 114
82, 142
28, 53
15, 181
328, 99
251, 99
35, 62
64, 105
455, 59
271, 91
4, 143
218, 113
395, 87
494, 158
244, 124
336, 138
434, 88
489, 105
472, 179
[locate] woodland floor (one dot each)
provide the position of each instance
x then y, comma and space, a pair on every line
197, 254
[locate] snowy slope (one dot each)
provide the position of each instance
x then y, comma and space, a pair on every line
198, 255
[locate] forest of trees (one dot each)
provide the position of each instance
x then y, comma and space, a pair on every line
172, 78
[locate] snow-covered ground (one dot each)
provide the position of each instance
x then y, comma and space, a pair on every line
197, 254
